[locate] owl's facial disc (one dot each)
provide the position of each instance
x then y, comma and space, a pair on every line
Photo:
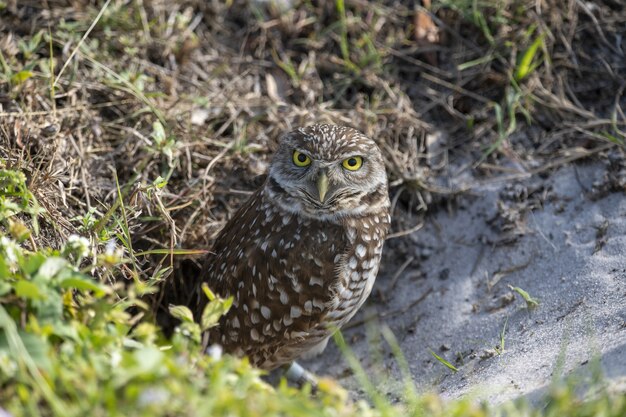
326, 171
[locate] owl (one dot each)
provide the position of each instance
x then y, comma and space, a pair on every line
301, 255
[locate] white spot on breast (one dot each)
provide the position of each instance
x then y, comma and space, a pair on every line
317, 303
235, 323
308, 306
360, 250
254, 317
337, 259
266, 312
316, 281
254, 334
276, 325
284, 298
287, 320
295, 312
346, 294
274, 254
353, 262
264, 246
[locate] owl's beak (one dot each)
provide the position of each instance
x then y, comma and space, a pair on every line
322, 185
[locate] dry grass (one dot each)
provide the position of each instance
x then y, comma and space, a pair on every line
226, 79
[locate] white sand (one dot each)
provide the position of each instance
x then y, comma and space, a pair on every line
582, 295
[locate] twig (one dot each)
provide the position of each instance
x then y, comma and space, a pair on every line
405, 232
394, 279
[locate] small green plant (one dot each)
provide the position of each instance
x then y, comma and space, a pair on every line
531, 303
528, 62
211, 314
500, 349
16, 198
444, 362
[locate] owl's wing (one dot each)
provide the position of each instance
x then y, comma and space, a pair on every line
280, 269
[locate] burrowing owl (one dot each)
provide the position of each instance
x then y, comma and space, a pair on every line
300, 257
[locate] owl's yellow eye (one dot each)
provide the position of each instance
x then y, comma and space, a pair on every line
300, 159
353, 163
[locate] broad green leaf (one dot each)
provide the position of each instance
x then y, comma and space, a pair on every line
149, 359
5, 273
20, 77
36, 348
84, 283
50, 268
5, 287
182, 313
28, 290
213, 311
32, 263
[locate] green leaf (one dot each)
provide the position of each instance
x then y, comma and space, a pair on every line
444, 362
207, 291
36, 347
530, 301
51, 267
5, 288
213, 311
84, 283
182, 313
28, 290
5, 272
32, 263
158, 132
20, 77
149, 359
160, 182
526, 65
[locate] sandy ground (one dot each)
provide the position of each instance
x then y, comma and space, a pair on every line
555, 238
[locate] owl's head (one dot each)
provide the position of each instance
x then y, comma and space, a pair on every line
327, 171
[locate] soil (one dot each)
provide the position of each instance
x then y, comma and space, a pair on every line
560, 238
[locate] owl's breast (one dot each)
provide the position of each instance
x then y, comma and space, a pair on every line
359, 266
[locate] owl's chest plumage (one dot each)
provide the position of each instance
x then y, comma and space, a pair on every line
293, 279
